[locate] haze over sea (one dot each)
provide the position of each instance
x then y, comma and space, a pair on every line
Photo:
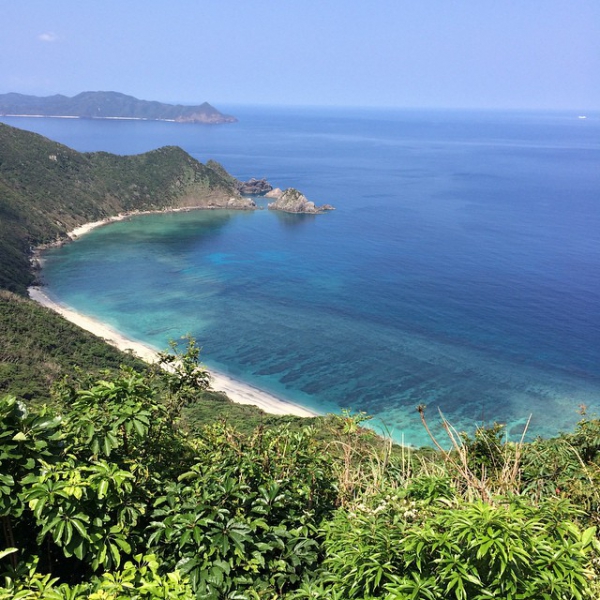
460, 269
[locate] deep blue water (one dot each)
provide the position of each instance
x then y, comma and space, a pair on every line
460, 269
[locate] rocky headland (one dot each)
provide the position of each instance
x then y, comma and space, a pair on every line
289, 200
294, 201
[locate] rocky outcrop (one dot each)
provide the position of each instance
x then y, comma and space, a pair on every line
241, 203
216, 199
293, 201
275, 193
254, 187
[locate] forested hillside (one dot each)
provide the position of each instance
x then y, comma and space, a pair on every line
121, 480
38, 347
47, 189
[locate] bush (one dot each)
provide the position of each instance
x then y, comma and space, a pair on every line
464, 551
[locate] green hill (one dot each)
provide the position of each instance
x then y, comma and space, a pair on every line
37, 347
109, 105
47, 189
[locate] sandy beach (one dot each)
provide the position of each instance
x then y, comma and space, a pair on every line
237, 391
87, 227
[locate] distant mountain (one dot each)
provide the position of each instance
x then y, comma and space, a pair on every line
108, 105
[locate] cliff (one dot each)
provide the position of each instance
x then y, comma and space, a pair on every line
109, 105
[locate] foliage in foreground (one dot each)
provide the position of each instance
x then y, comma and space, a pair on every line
112, 499
454, 549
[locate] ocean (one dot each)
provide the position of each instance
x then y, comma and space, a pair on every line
460, 269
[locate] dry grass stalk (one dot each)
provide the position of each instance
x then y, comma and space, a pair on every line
479, 485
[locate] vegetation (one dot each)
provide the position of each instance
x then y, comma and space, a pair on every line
103, 105
38, 348
47, 189
115, 498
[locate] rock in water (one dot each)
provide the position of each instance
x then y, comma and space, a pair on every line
255, 187
291, 200
274, 193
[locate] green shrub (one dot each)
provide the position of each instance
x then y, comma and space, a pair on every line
246, 515
463, 551
115, 501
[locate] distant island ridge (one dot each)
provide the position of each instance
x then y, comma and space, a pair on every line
108, 105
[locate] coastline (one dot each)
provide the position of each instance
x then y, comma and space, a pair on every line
87, 227
36, 254
237, 391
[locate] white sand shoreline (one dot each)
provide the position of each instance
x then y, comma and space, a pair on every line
87, 227
237, 391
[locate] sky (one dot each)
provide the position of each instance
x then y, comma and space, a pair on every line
488, 54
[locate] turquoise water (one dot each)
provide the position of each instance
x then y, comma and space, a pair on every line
460, 269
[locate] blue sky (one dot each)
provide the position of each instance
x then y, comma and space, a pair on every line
418, 53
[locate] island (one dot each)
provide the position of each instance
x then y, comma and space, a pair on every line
108, 105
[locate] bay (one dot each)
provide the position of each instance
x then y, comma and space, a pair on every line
460, 269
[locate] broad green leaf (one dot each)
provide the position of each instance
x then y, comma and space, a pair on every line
78, 524
68, 527
79, 550
7, 551
588, 535
115, 555
102, 489
123, 544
